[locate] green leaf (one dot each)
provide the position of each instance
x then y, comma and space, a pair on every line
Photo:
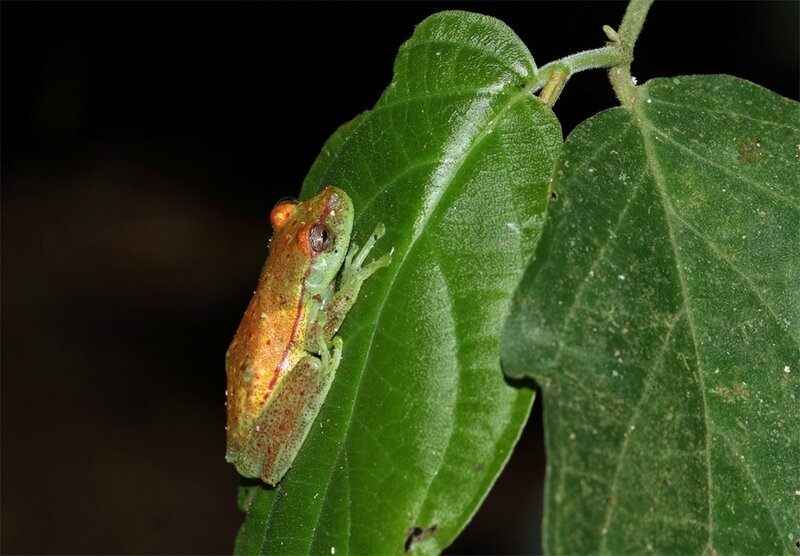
661, 317
455, 160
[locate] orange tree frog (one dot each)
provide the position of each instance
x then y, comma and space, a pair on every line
284, 355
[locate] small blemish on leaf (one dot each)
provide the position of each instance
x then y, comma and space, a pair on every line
554, 195
750, 151
416, 534
478, 467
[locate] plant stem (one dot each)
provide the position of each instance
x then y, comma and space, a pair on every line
617, 55
633, 20
605, 57
553, 76
629, 29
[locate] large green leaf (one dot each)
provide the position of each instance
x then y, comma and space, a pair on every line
455, 160
661, 317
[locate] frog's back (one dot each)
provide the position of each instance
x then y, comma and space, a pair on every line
307, 248
269, 340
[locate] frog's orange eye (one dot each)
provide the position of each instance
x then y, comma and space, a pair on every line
282, 212
320, 238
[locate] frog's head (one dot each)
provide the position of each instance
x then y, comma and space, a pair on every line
325, 223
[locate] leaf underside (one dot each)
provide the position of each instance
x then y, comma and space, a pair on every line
661, 317
455, 159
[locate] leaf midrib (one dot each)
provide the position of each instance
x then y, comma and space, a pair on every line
646, 126
666, 205
712, 246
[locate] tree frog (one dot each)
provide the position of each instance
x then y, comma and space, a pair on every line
285, 353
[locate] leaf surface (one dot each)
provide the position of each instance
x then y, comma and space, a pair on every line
455, 159
661, 317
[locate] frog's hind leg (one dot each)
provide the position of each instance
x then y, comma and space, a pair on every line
298, 400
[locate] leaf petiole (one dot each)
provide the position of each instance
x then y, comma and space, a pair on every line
617, 55
554, 76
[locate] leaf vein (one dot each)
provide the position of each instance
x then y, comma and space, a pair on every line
488, 54
658, 180
725, 113
753, 478
658, 363
712, 246
456, 396
710, 161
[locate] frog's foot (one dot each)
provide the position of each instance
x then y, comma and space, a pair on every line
337, 354
353, 273
330, 359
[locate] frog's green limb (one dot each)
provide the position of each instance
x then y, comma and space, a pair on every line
353, 276
349, 264
337, 354
290, 416
279, 431
330, 358
353, 273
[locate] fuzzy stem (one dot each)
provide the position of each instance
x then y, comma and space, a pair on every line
605, 57
625, 39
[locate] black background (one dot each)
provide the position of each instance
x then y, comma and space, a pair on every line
143, 145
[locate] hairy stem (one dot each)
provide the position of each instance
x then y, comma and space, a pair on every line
553, 76
625, 39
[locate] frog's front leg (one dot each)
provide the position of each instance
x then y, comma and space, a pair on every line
298, 399
336, 307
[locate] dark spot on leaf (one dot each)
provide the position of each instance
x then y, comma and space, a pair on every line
665, 483
797, 545
478, 467
750, 151
416, 534
554, 196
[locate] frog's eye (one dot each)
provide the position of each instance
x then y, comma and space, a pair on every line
320, 238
